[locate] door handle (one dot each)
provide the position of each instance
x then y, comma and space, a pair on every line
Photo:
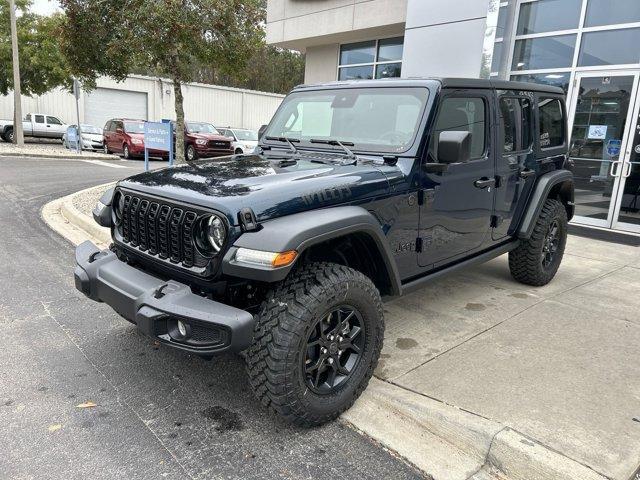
524, 174
484, 182
614, 171
628, 168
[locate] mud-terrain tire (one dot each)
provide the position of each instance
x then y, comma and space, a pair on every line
288, 335
536, 260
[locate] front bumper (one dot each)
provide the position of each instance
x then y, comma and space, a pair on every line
155, 305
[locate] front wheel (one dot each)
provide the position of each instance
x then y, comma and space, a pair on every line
125, 152
316, 343
537, 259
105, 149
191, 153
9, 135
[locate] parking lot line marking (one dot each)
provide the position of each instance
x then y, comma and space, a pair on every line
104, 164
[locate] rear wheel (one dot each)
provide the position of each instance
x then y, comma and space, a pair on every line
536, 260
316, 343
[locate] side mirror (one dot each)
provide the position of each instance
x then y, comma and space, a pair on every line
454, 147
119, 130
261, 131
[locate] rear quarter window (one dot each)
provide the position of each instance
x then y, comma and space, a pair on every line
551, 129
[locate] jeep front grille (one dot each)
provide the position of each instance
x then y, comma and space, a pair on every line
160, 229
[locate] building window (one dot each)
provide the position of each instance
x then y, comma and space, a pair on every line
372, 59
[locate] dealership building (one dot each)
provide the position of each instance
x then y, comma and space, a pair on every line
590, 48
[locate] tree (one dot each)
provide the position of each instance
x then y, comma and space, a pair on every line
42, 64
171, 38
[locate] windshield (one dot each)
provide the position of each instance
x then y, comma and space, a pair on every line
134, 127
201, 128
246, 135
373, 119
90, 129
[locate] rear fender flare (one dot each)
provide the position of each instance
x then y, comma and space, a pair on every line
560, 181
303, 230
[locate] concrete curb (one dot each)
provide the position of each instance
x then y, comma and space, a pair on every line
445, 442
63, 217
448, 443
96, 156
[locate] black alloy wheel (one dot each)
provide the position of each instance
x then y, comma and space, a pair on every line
333, 349
550, 244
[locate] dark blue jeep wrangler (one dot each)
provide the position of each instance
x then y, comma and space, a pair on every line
359, 191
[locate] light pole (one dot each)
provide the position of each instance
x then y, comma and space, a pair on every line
18, 135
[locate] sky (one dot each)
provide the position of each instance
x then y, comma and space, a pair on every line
44, 7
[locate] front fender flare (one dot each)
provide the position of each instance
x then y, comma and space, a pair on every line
558, 179
302, 230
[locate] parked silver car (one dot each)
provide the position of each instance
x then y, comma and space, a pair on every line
91, 137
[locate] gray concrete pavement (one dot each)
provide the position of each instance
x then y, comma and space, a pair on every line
159, 413
557, 363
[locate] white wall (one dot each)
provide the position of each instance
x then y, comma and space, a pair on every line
444, 38
321, 63
218, 105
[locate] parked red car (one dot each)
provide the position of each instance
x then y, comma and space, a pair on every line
126, 136
202, 140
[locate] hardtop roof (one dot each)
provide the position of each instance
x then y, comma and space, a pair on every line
445, 82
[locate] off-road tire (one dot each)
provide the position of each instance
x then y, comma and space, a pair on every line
525, 262
283, 325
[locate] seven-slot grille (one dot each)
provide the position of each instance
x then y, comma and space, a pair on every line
160, 229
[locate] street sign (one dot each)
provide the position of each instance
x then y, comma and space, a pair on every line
157, 136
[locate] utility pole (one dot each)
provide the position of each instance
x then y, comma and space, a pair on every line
18, 136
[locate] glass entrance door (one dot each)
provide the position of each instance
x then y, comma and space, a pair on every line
603, 142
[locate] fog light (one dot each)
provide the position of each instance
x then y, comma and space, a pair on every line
182, 328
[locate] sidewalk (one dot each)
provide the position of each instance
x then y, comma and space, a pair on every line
49, 149
482, 377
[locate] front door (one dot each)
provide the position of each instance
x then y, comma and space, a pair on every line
605, 149
457, 200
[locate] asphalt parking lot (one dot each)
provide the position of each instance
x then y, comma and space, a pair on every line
158, 413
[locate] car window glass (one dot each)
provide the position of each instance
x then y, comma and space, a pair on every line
28, 117
515, 123
107, 127
462, 114
551, 129
39, 118
53, 121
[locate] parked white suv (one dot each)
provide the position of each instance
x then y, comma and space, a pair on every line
243, 140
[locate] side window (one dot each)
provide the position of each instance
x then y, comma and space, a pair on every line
551, 129
462, 114
53, 121
515, 124
107, 126
39, 118
28, 117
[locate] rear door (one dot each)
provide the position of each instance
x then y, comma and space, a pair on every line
457, 199
515, 157
39, 126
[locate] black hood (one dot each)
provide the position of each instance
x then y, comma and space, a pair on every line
231, 183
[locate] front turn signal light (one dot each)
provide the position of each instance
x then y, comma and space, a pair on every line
266, 259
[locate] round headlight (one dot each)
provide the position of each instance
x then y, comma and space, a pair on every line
210, 234
117, 206
216, 233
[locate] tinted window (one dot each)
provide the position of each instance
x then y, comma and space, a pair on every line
613, 47
39, 118
556, 79
363, 52
460, 114
107, 126
390, 49
544, 52
549, 16
53, 121
551, 123
515, 124
609, 12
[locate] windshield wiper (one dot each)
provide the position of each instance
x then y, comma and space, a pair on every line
286, 139
337, 143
